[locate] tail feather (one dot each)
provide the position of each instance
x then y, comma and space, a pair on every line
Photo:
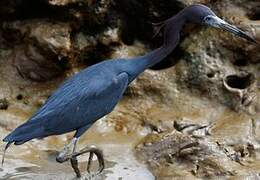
24, 133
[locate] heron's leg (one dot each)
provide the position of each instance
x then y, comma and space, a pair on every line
74, 162
75, 166
66, 154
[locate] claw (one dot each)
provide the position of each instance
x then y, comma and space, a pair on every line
93, 150
90, 161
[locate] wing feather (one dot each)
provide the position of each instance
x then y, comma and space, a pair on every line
83, 106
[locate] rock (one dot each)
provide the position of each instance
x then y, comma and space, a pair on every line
43, 48
242, 87
54, 37
204, 157
156, 146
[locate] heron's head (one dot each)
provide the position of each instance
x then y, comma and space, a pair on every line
203, 15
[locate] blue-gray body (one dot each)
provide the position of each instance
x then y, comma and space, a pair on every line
79, 102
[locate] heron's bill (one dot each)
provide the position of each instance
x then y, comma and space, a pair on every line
219, 23
238, 32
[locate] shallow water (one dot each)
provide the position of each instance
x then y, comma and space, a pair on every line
36, 159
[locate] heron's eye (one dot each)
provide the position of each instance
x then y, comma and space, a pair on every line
207, 19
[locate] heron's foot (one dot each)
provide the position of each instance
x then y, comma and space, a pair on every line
68, 154
93, 151
67, 151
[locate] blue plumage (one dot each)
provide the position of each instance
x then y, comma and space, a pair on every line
77, 104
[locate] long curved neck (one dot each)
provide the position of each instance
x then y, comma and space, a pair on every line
172, 30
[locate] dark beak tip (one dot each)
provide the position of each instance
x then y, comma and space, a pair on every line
251, 39
255, 41
238, 32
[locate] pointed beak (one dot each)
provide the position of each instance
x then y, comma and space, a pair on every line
219, 23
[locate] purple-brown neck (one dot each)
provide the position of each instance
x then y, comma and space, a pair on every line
172, 30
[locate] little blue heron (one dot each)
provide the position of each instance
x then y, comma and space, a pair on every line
94, 92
